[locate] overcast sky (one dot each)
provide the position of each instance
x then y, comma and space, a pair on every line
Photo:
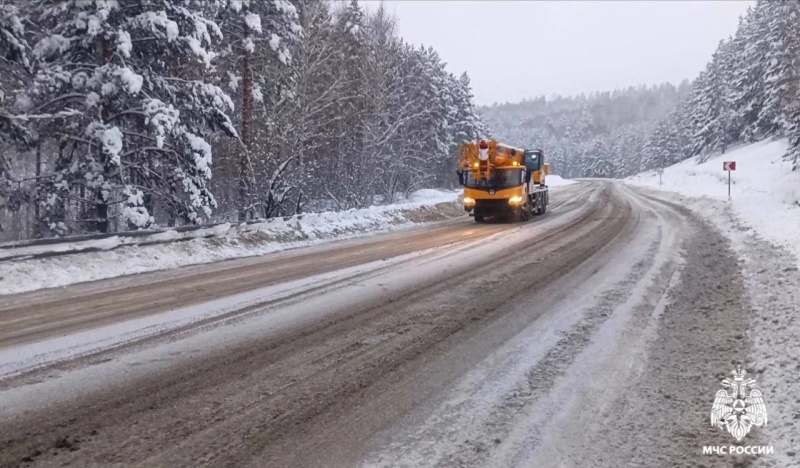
518, 49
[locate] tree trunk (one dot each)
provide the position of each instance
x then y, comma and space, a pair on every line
102, 216
247, 116
101, 213
37, 225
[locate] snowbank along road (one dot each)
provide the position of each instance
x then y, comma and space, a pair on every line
596, 335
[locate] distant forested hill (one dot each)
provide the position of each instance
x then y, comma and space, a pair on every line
747, 92
599, 135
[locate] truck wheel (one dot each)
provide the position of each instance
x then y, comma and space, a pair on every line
544, 206
527, 209
478, 218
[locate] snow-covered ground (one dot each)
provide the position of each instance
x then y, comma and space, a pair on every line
762, 221
119, 256
765, 192
432, 196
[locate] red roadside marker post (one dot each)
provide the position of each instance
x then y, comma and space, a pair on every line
729, 166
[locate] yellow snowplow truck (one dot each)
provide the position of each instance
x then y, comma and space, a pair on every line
502, 181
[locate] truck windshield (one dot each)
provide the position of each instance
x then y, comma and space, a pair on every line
501, 178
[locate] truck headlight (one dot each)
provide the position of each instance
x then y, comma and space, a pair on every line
515, 200
469, 201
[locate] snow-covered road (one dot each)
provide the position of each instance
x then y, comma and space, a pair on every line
596, 335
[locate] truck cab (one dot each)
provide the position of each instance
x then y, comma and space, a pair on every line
502, 181
534, 162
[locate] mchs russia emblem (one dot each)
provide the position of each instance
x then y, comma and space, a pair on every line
738, 407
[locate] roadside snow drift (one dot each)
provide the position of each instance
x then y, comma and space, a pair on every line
765, 192
558, 181
762, 220
118, 257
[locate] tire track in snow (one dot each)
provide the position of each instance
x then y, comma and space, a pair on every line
661, 418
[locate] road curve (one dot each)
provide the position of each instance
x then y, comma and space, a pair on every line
335, 389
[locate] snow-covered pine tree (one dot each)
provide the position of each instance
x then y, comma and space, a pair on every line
15, 68
466, 126
133, 71
470, 126
703, 115
743, 79
384, 156
305, 113
258, 34
631, 144
781, 72
440, 112
354, 184
727, 122
570, 150
597, 161
793, 133
750, 48
665, 147
651, 157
